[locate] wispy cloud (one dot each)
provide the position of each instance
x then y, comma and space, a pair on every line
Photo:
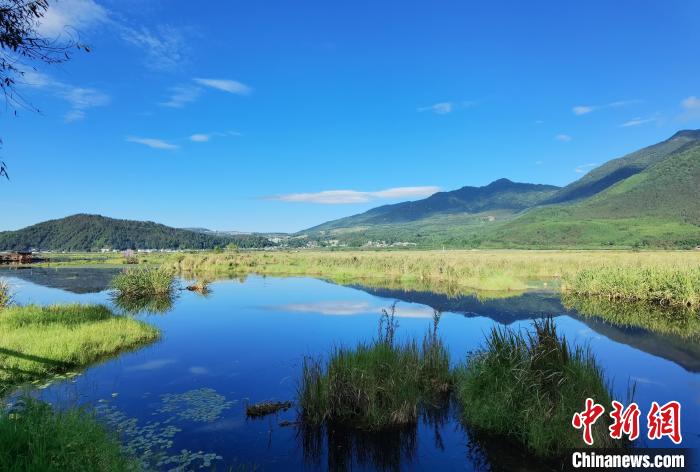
181, 95
638, 121
205, 137
691, 103
68, 17
565, 138
164, 46
586, 109
225, 85
80, 99
583, 168
691, 109
339, 197
443, 108
153, 143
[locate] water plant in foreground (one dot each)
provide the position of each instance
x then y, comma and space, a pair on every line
144, 282
376, 385
526, 387
34, 436
5, 294
40, 341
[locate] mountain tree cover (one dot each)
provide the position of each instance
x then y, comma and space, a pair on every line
22, 48
95, 232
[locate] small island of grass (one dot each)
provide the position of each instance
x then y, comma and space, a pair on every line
525, 387
40, 341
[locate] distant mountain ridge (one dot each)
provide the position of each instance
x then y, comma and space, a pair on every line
83, 232
502, 194
650, 197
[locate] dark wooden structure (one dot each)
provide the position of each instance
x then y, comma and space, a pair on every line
18, 257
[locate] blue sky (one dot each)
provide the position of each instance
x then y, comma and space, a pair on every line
277, 115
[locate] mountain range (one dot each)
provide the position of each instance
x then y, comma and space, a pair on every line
648, 198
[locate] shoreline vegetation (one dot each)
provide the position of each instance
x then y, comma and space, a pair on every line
38, 342
666, 278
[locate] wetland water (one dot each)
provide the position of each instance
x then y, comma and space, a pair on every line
183, 398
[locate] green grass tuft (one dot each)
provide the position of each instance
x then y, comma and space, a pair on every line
141, 282
6, 294
376, 386
526, 387
34, 437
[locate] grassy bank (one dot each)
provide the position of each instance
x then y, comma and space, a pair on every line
376, 386
35, 437
40, 341
526, 387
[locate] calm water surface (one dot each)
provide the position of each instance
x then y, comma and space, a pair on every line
246, 342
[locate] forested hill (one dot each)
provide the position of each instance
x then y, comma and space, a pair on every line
94, 232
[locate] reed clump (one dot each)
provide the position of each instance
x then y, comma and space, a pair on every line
146, 281
526, 387
378, 385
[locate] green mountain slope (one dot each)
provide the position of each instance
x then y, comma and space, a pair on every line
659, 206
94, 232
501, 198
619, 169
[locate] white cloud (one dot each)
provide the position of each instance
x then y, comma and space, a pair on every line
583, 168
441, 108
565, 138
200, 138
349, 308
80, 99
338, 197
637, 122
66, 16
205, 137
586, 109
181, 95
153, 143
225, 85
165, 46
691, 103
583, 110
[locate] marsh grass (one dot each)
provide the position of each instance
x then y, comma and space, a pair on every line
666, 286
144, 282
526, 387
664, 277
41, 341
35, 437
6, 295
376, 386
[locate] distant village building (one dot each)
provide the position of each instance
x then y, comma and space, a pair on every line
18, 257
